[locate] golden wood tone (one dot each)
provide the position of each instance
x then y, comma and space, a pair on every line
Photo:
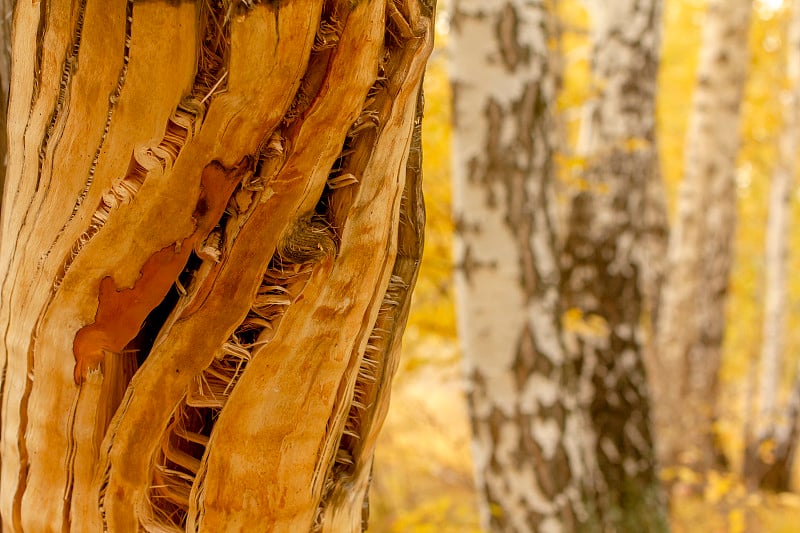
210, 231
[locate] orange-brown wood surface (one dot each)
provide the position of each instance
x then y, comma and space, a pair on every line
122, 310
199, 230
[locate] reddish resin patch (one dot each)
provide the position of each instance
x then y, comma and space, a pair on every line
122, 311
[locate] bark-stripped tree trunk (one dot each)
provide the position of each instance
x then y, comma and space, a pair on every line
758, 465
532, 440
692, 316
616, 222
211, 229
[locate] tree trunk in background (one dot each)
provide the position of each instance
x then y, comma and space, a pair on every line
769, 459
532, 440
759, 461
610, 258
211, 228
692, 316
620, 119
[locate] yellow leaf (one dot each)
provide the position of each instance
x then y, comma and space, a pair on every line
717, 487
687, 475
766, 449
637, 143
736, 521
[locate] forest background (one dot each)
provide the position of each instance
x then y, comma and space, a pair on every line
423, 477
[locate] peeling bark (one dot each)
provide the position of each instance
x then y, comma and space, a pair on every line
692, 316
212, 227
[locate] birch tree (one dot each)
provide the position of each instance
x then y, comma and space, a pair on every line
561, 430
692, 315
532, 439
211, 228
773, 469
611, 256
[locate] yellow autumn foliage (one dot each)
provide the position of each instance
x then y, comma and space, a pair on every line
423, 474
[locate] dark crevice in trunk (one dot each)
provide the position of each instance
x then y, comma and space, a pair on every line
178, 463
70, 66
37, 64
141, 344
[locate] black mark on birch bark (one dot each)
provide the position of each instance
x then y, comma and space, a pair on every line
507, 30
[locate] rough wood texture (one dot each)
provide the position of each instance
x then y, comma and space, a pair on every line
6, 12
210, 232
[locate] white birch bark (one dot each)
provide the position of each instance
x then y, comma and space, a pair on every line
617, 224
692, 316
777, 236
775, 424
621, 118
532, 441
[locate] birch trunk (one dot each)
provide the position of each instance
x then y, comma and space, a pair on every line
211, 228
532, 440
692, 317
775, 259
776, 249
607, 261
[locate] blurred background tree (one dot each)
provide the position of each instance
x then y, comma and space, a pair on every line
691, 319
423, 471
535, 462
551, 325
770, 450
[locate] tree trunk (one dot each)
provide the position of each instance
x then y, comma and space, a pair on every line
211, 228
532, 440
769, 459
775, 261
692, 317
608, 268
